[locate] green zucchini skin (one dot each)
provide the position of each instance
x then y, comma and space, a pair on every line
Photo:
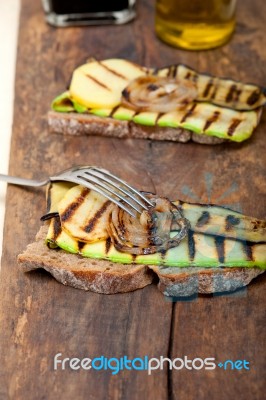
218, 237
224, 108
201, 118
221, 221
196, 250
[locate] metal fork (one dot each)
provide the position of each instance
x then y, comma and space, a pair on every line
98, 179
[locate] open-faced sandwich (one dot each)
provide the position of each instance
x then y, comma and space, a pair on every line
90, 243
118, 98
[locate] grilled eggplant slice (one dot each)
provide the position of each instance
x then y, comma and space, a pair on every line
218, 237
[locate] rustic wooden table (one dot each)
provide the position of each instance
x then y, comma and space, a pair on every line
40, 317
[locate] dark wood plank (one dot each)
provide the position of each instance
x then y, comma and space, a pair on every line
230, 327
39, 317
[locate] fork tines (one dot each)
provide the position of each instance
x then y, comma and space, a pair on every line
115, 189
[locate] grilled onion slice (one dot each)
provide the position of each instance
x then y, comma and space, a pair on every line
158, 94
151, 232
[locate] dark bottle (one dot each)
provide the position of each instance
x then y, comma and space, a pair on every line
86, 12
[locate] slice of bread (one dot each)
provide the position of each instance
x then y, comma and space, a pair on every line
88, 124
102, 276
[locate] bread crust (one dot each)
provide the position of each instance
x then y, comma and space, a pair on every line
191, 280
88, 124
105, 277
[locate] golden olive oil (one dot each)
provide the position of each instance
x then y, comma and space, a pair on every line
195, 24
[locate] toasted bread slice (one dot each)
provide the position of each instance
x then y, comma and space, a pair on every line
88, 124
102, 276
118, 98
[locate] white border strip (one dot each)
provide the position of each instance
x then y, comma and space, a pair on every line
9, 22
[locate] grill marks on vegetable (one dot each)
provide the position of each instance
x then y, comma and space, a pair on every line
112, 71
56, 228
72, 208
207, 89
193, 250
194, 244
95, 80
230, 222
108, 244
214, 232
93, 221
103, 84
87, 225
220, 250
191, 245
220, 91
172, 71
258, 224
234, 124
204, 219
248, 250
113, 111
189, 112
233, 94
210, 120
253, 98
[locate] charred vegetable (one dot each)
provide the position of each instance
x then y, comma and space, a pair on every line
88, 217
153, 93
191, 234
175, 96
220, 91
151, 232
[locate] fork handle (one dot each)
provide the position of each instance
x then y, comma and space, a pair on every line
22, 181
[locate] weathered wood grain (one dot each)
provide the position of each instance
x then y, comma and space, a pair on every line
39, 317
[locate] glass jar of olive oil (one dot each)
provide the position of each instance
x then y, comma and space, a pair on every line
195, 24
